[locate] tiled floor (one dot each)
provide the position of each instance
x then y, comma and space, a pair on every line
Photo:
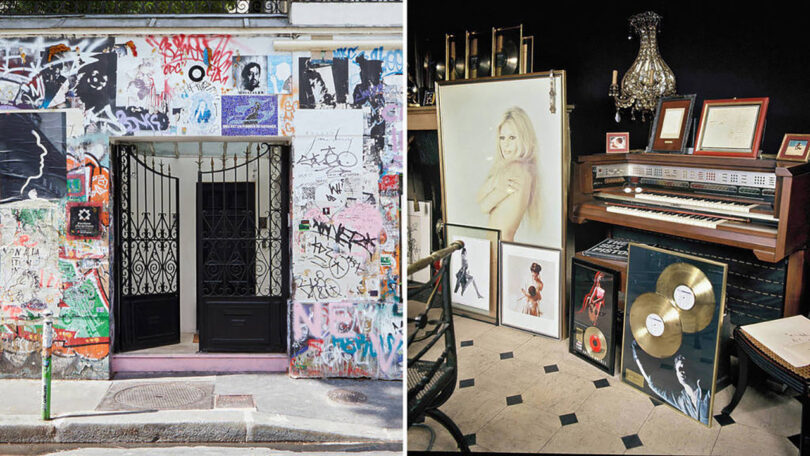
523, 393
187, 346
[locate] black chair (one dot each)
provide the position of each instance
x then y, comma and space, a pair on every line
750, 350
432, 382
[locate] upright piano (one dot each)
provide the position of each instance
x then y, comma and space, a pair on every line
751, 214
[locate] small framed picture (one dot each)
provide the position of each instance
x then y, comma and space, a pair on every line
794, 147
617, 143
474, 272
530, 289
731, 128
429, 97
593, 317
420, 222
670, 128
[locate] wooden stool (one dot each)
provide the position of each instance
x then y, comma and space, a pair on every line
797, 378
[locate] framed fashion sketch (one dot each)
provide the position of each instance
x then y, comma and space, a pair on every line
592, 313
420, 220
531, 295
504, 155
672, 319
670, 127
731, 128
474, 272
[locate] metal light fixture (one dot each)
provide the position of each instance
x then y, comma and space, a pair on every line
649, 77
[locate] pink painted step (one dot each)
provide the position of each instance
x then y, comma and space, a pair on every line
200, 362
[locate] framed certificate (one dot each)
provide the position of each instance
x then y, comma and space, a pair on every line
670, 129
731, 128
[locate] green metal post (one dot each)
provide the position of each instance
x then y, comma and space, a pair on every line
47, 344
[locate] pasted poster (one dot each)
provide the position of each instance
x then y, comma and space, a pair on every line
250, 74
41, 136
279, 73
84, 221
323, 84
249, 115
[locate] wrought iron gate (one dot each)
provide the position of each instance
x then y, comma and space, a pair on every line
243, 250
147, 251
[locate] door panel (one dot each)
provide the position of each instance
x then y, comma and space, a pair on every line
146, 253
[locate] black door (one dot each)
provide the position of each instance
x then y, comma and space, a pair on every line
147, 251
243, 252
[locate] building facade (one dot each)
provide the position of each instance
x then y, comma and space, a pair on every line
292, 128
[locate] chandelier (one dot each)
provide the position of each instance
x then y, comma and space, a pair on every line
649, 77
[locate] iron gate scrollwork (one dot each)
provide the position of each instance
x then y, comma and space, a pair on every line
147, 240
243, 250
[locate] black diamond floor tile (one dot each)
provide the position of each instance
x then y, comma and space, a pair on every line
567, 419
507, 355
513, 400
466, 343
466, 383
631, 441
655, 402
795, 440
470, 438
724, 419
601, 383
551, 368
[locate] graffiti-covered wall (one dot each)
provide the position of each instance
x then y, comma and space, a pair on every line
62, 98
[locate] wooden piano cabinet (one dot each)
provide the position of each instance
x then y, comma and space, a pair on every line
770, 245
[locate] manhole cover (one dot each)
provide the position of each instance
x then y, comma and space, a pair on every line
345, 396
159, 396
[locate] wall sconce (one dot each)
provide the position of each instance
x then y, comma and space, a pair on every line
649, 77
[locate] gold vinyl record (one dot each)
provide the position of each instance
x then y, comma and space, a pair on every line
509, 58
656, 325
690, 291
595, 343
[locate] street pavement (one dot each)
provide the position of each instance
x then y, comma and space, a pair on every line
263, 408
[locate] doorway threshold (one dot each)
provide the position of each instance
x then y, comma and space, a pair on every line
184, 357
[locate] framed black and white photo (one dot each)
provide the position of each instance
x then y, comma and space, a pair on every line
474, 272
531, 294
420, 217
504, 155
592, 313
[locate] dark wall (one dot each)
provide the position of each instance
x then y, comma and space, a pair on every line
716, 50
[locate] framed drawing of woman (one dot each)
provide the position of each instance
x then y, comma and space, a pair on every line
504, 155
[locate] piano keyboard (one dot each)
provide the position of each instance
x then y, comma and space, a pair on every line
669, 216
716, 207
696, 203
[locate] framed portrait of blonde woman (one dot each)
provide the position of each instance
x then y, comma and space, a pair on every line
504, 155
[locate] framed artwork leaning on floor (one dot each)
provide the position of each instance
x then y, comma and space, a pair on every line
530, 289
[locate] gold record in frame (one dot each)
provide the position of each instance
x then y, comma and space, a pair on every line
595, 343
690, 291
656, 325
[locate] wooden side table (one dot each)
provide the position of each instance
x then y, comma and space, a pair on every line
797, 378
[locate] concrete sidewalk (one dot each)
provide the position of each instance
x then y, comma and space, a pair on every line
237, 408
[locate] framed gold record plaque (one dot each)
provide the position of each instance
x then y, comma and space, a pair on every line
593, 316
673, 313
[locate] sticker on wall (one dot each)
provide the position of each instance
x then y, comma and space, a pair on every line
249, 115
77, 180
279, 73
84, 221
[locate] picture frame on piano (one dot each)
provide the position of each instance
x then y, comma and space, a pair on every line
795, 147
617, 143
670, 127
731, 127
